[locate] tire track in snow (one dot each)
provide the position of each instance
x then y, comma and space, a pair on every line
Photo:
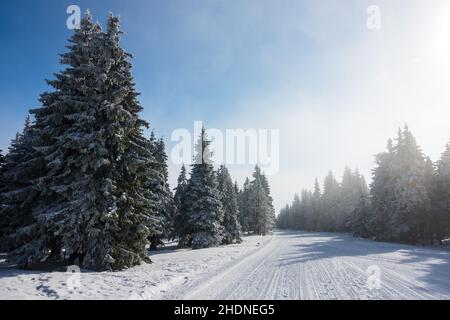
296, 265
211, 286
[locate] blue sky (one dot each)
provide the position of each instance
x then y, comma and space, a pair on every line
193, 59
312, 69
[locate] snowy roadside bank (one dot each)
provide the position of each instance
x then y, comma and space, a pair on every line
290, 265
171, 275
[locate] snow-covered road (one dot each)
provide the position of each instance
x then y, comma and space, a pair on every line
286, 265
296, 265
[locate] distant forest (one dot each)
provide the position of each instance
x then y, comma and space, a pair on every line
407, 201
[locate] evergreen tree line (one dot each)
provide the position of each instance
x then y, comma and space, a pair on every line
329, 210
211, 210
408, 199
82, 185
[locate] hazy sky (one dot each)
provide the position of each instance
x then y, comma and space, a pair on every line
335, 89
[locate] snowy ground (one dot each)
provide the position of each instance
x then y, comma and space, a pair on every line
287, 265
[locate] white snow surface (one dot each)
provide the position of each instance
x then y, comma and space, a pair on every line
285, 265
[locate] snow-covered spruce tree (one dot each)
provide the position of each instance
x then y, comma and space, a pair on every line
283, 218
163, 197
132, 159
95, 207
204, 213
307, 208
431, 222
347, 201
262, 217
330, 203
244, 206
56, 127
259, 208
270, 221
311, 208
359, 221
313, 215
180, 189
297, 212
412, 203
237, 192
441, 196
399, 193
228, 197
382, 192
353, 188
2, 160
22, 165
180, 224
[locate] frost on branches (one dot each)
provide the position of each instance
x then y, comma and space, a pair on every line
94, 208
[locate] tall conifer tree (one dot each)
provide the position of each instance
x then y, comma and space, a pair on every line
204, 212
228, 197
95, 208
